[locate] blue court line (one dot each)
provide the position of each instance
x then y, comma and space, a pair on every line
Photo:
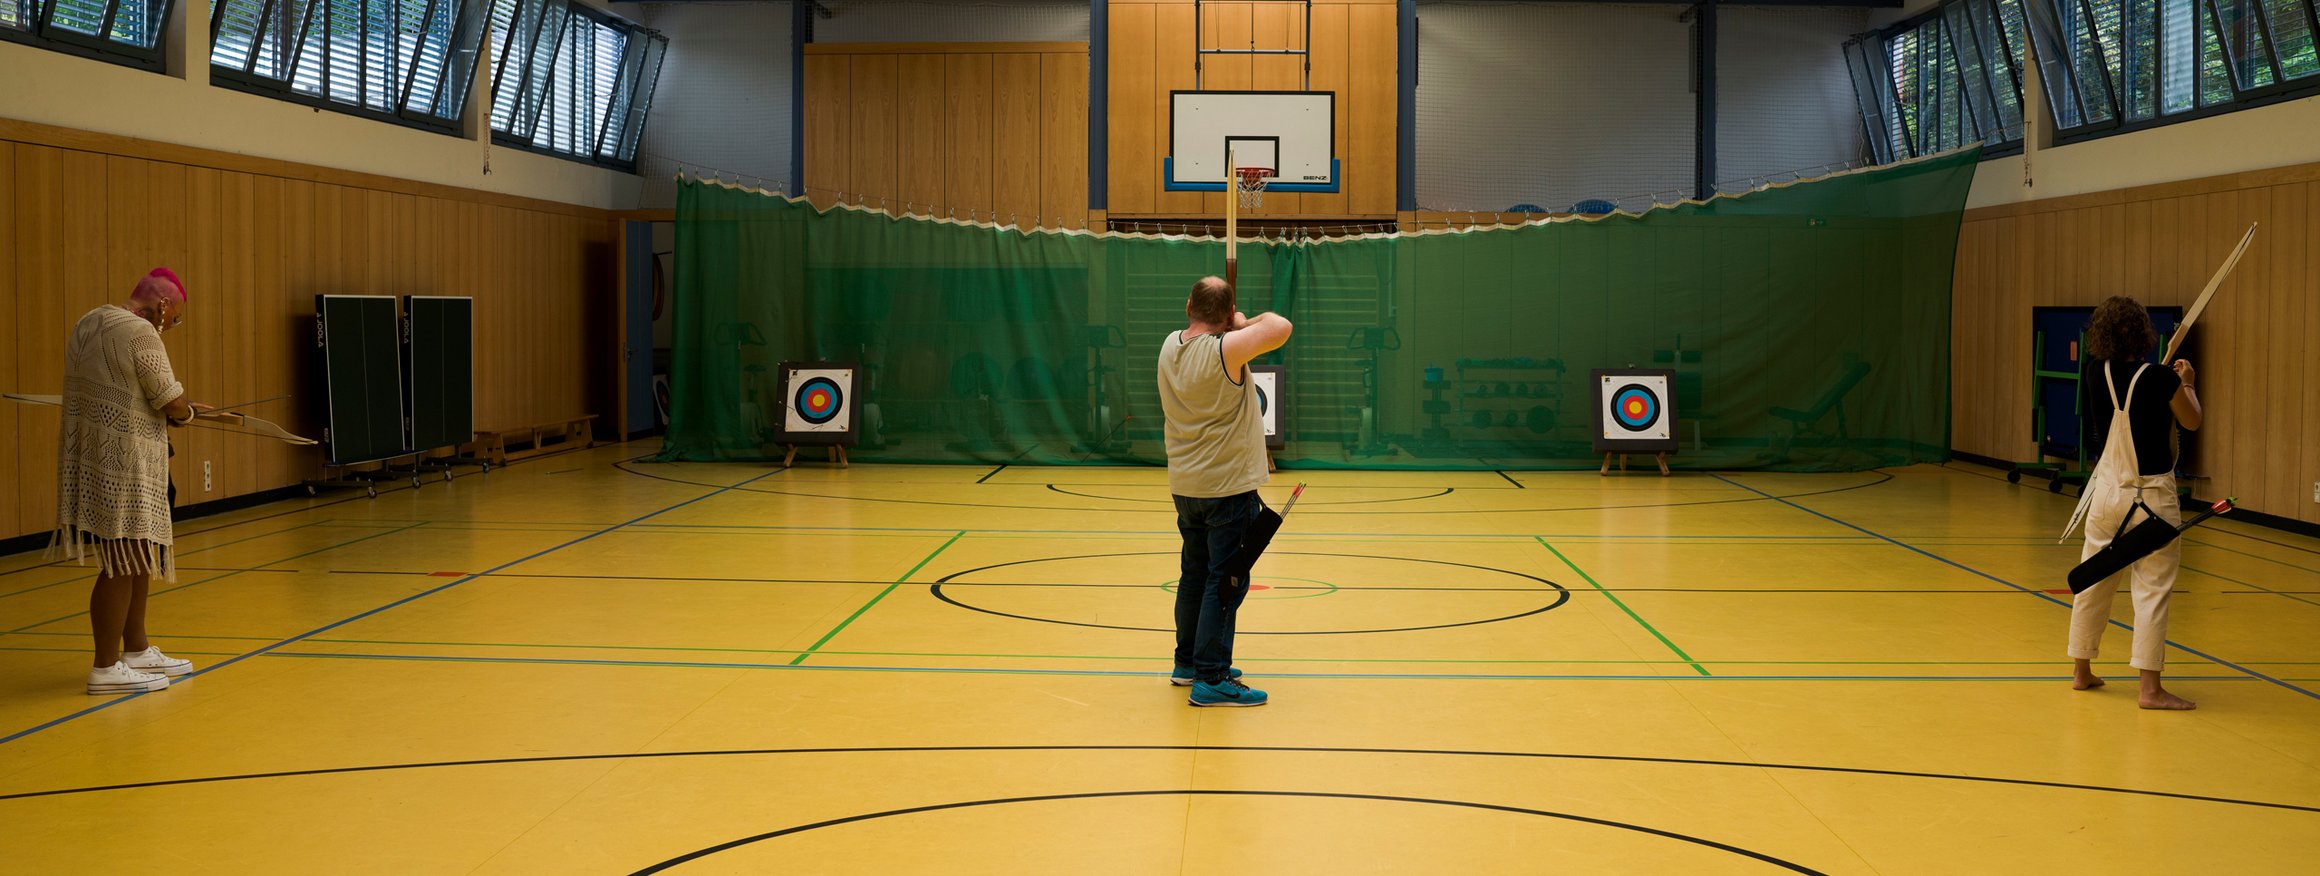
340, 623
1384, 676
2037, 593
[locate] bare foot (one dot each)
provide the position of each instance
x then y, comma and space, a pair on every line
2081, 681
2165, 701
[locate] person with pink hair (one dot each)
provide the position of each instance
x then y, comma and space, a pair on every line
113, 494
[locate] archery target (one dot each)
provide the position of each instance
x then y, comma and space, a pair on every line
1267, 379
817, 400
1633, 409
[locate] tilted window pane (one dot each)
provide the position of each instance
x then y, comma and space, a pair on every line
236, 26
84, 17
2243, 40
2292, 33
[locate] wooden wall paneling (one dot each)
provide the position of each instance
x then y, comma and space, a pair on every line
403, 260
1332, 43
1015, 86
12, 519
2250, 342
1368, 154
2309, 293
1137, 110
875, 79
270, 349
921, 153
194, 349
1279, 26
236, 472
1227, 26
967, 181
2284, 430
40, 325
1173, 46
829, 127
1063, 140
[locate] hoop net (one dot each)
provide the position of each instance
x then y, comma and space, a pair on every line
1252, 186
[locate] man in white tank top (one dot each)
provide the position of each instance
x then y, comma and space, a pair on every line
1216, 461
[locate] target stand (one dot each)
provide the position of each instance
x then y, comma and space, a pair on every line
1634, 413
818, 409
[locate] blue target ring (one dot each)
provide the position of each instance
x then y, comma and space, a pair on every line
819, 400
1635, 407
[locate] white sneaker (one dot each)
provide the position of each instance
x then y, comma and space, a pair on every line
152, 660
120, 679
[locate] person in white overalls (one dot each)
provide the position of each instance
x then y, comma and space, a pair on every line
2142, 405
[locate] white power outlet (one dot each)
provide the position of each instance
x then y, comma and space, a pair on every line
2316, 491
205, 478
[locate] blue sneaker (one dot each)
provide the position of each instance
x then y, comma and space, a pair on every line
1226, 693
1184, 676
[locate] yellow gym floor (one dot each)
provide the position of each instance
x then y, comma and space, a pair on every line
592, 664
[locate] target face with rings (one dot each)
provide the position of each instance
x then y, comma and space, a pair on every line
1634, 407
1633, 411
1267, 381
817, 401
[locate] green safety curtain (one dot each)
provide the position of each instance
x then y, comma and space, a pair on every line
1808, 326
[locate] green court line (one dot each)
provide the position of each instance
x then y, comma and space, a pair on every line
310, 553
1495, 536
172, 651
1590, 579
1442, 660
809, 652
956, 670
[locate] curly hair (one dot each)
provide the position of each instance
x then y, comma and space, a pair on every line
2120, 331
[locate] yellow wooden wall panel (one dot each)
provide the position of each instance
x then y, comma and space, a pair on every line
12, 519
39, 325
873, 100
1136, 110
921, 150
1015, 86
969, 118
1063, 140
1173, 45
2159, 244
829, 127
1332, 47
1278, 26
1368, 156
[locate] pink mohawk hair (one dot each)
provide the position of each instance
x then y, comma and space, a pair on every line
171, 276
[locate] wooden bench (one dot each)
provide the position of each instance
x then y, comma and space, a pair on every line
534, 440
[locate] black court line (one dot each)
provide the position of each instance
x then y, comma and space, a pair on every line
983, 749
987, 476
1882, 478
1510, 479
1562, 595
2041, 594
1310, 503
1210, 792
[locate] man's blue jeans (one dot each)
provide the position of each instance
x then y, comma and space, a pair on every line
1208, 599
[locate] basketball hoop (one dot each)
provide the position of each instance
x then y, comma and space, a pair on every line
1252, 186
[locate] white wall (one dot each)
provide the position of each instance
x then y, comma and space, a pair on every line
1551, 103
723, 101
1784, 101
2279, 135
53, 88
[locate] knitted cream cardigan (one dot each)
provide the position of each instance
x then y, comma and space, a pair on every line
112, 460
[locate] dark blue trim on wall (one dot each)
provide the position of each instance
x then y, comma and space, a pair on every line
1406, 115
801, 32
1099, 103
1704, 61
